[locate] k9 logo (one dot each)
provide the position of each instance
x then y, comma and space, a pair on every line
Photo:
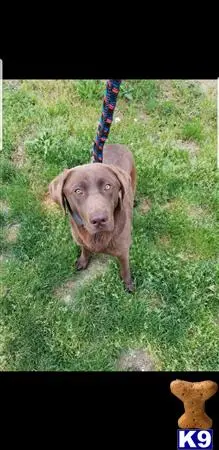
195, 439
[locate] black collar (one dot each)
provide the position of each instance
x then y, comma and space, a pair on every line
75, 216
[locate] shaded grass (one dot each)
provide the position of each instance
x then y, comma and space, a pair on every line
174, 257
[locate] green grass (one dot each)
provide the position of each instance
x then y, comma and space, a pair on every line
192, 130
174, 313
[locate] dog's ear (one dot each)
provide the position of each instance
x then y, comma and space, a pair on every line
125, 182
56, 188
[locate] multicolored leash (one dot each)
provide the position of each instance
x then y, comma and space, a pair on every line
109, 103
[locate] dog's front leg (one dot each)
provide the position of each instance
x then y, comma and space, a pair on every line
83, 260
125, 271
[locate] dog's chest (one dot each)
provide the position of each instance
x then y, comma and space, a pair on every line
103, 242
95, 244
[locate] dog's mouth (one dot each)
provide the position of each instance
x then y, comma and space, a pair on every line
108, 227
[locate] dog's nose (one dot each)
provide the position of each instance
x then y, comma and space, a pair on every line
99, 219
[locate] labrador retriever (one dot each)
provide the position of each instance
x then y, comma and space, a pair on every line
99, 198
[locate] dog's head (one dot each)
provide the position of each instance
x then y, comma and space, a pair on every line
96, 192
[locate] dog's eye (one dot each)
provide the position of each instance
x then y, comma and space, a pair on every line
107, 187
78, 191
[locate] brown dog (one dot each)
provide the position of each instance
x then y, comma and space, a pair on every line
99, 198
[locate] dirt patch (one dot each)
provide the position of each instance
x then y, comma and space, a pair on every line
135, 361
209, 87
97, 266
3, 290
12, 233
189, 146
12, 84
171, 205
4, 208
145, 206
65, 291
5, 257
193, 211
186, 256
143, 117
196, 212
49, 204
164, 241
154, 300
118, 116
18, 157
167, 89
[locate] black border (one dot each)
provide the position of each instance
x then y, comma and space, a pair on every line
88, 41
157, 64
134, 408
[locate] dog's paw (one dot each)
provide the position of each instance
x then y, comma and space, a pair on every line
81, 263
130, 287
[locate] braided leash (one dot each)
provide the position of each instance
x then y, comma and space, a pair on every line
109, 103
